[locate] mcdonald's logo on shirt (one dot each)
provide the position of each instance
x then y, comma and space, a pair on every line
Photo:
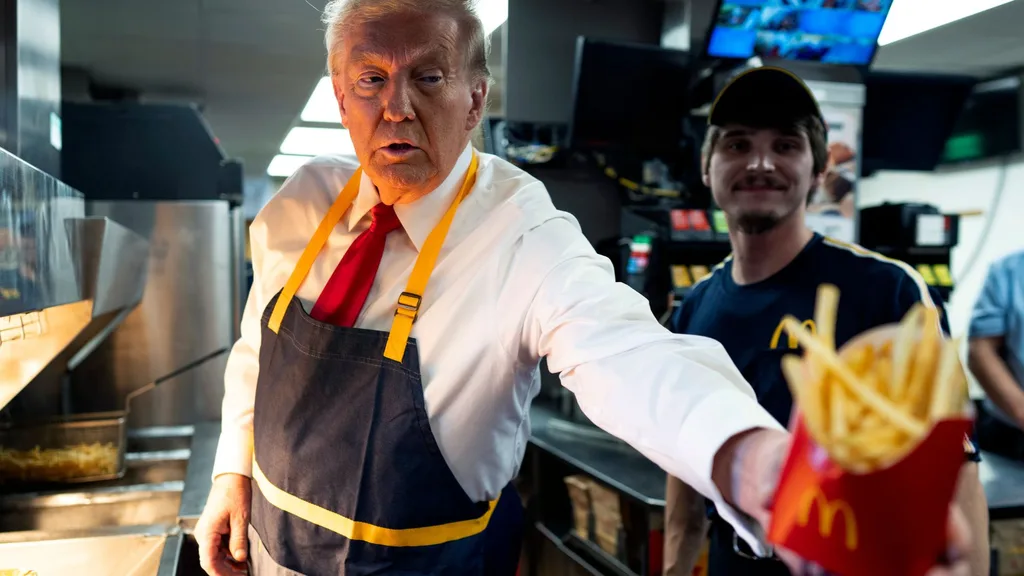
827, 515
790, 340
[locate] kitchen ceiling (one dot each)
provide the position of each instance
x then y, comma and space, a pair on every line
251, 65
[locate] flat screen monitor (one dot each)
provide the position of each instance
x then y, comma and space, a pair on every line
840, 32
629, 99
989, 125
908, 118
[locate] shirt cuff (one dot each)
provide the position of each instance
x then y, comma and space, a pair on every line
234, 453
715, 420
986, 327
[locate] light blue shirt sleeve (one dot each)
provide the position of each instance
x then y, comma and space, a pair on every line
993, 308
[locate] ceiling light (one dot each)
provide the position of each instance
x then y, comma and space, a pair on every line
283, 165
322, 106
307, 141
493, 13
909, 17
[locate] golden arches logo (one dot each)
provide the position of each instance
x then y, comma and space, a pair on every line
790, 340
827, 512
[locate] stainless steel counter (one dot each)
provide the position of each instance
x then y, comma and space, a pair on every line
199, 476
598, 454
613, 462
1003, 481
180, 552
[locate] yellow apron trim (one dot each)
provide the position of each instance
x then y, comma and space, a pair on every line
426, 536
313, 248
409, 301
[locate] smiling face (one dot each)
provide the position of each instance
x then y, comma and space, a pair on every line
760, 176
408, 100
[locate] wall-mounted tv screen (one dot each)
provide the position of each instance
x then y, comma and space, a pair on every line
841, 32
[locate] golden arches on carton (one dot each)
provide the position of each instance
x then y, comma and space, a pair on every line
827, 512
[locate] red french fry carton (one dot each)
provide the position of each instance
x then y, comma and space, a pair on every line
889, 521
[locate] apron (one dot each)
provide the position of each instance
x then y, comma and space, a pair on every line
347, 476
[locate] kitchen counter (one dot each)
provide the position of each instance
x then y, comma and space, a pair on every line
180, 555
623, 468
598, 454
1003, 481
199, 477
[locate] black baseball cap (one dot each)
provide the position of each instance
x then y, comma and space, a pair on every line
764, 96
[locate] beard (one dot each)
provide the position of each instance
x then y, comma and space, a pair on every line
757, 223
760, 222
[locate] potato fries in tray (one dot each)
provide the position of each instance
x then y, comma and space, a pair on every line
878, 442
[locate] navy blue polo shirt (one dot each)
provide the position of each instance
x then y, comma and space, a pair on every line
747, 319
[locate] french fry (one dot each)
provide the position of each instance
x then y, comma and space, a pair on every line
837, 404
826, 306
923, 366
943, 401
902, 349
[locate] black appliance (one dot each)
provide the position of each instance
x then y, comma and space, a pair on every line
132, 150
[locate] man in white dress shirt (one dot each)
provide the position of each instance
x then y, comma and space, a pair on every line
372, 422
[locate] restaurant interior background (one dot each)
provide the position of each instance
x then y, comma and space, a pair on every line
159, 129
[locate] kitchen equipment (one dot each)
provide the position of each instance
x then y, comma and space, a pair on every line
73, 449
190, 307
72, 281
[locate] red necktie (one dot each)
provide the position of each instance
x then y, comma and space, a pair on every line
345, 293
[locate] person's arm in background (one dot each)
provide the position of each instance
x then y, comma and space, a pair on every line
986, 338
970, 495
686, 519
686, 527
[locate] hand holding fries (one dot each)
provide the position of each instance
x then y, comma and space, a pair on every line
877, 446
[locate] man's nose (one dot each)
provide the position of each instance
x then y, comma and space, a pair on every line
398, 101
761, 160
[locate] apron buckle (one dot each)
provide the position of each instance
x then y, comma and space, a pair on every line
409, 305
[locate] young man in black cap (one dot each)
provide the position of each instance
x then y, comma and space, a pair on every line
765, 150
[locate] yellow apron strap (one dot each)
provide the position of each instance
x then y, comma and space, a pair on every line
323, 231
409, 301
362, 531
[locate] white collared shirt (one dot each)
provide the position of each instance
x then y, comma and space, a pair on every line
516, 281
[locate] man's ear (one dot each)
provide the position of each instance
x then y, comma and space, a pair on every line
339, 95
479, 96
704, 176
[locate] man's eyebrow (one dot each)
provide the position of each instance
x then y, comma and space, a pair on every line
371, 55
737, 132
791, 131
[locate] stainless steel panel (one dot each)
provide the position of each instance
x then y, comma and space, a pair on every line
124, 555
187, 310
238, 286
36, 269
31, 81
37, 348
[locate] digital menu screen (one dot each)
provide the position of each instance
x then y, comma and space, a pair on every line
842, 32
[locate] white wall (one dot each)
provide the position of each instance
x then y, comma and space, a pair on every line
961, 190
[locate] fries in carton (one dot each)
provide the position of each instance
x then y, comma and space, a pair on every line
878, 440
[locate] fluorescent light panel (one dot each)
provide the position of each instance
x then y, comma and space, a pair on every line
284, 165
322, 105
309, 141
910, 17
492, 13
